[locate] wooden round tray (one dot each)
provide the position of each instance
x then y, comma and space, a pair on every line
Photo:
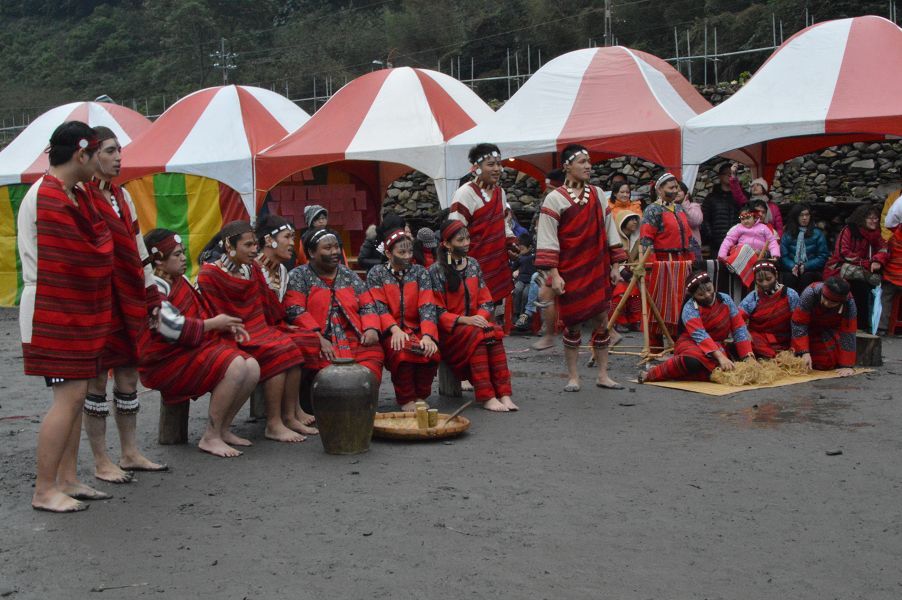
403, 426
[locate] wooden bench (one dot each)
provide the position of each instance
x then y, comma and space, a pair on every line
448, 384
173, 428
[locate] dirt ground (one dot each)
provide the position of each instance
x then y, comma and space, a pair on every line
644, 493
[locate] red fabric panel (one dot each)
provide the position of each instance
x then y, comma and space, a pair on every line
260, 127
451, 118
873, 53
230, 205
153, 150
325, 137
619, 113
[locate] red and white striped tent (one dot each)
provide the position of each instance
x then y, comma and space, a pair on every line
400, 115
833, 83
612, 100
214, 133
24, 160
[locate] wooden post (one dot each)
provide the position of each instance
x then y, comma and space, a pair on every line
173, 423
448, 385
257, 404
868, 350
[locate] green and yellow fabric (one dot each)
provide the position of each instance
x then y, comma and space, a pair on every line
10, 265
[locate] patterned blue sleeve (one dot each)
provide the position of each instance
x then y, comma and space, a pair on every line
740, 330
750, 303
793, 297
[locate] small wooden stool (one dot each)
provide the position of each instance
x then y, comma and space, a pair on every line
868, 350
448, 384
173, 423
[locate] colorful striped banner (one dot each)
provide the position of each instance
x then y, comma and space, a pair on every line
195, 207
10, 264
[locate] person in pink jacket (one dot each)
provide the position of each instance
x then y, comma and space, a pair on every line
758, 189
750, 232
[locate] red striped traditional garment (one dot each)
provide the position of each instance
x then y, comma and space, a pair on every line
472, 353
341, 309
65, 321
129, 308
276, 277
666, 288
488, 240
827, 334
705, 329
769, 320
583, 258
246, 299
406, 300
193, 365
631, 314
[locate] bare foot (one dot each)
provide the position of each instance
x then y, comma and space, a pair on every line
572, 385
543, 344
412, 406
495, 405
140, 463
506, 401
112, 474
57, 502
296, 425
280, 433
304, 417
616, 338
80, 491
217, 447
643, 375
608, 383
235, 440
466, 386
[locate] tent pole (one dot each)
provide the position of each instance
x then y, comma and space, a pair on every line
676, 47
508, 73
517, 67
773, 27
716, 79
706, 52
528, 59
688, 54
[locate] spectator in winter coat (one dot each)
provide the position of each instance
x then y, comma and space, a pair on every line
858, 257
721, 212
695, 217
803, 250
369, 255
750, 232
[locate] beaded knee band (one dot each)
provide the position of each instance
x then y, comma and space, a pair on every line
601, 339
572, 339
126, 404
96, 405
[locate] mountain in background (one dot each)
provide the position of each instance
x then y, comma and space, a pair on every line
144, 54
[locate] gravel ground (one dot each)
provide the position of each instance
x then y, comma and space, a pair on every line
644, 493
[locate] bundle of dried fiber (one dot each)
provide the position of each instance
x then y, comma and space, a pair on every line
790, 364
744, 373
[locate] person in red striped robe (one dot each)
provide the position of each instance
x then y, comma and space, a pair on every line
824, 325
135, 300
191, 353
275, 236
479, 205
408, 320
328, 298
234, 285
577, 246
66, 251
768, 311
666, 233
708, 318
471, 345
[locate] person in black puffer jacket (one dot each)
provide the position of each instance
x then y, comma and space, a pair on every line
720, 211
369, 255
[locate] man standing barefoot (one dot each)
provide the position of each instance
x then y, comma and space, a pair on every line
64, 316
577, 245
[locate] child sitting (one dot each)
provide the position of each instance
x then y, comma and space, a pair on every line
745, 243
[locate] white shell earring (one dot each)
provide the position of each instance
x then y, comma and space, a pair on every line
478, 171
232, 253
274, 245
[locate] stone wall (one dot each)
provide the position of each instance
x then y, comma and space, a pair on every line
853, 172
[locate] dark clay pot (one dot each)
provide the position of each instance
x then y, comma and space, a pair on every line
344, 397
